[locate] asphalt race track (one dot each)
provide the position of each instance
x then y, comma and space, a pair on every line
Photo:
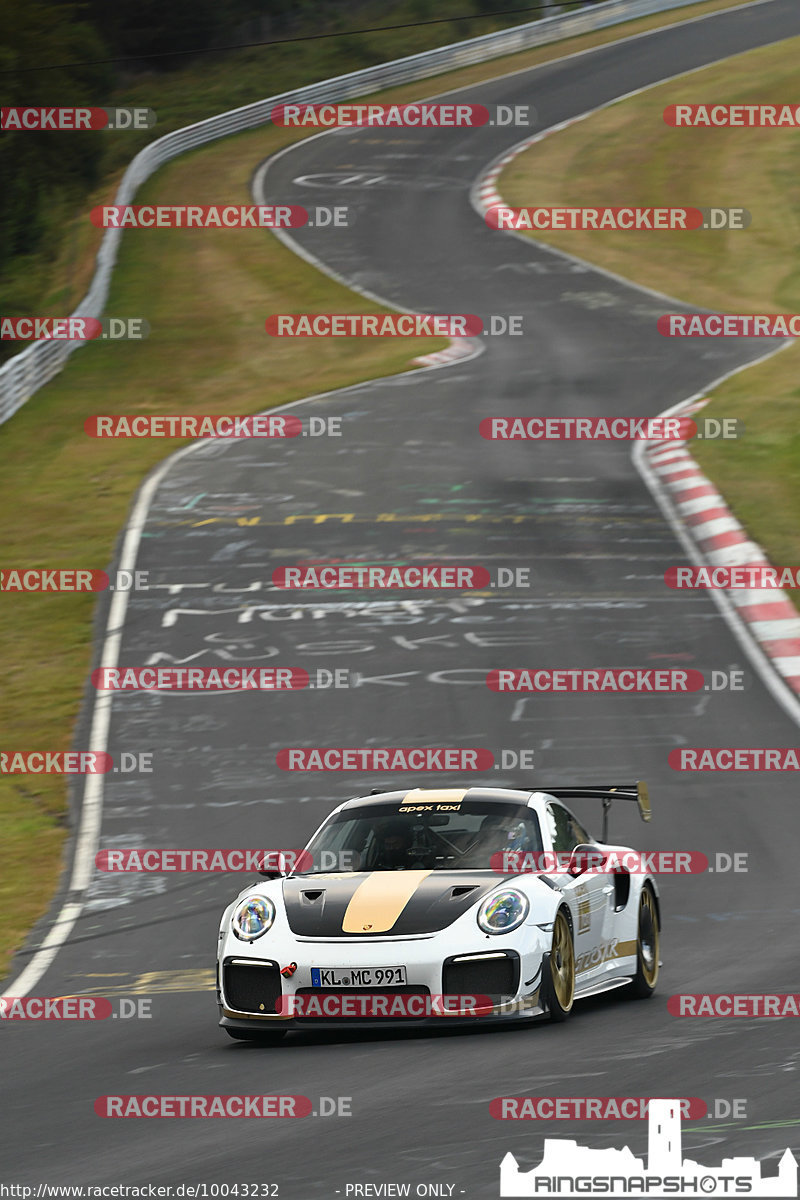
411, 478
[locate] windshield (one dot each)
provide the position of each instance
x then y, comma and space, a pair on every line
382, 838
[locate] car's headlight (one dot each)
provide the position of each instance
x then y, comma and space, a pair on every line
252, 917
503, 910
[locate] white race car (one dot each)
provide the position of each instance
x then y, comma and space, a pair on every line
432, 906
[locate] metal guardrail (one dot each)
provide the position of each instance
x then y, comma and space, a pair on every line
38, 363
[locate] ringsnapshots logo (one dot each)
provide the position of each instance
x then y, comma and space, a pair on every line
569, 1169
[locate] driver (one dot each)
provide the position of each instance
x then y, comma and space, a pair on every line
394, 843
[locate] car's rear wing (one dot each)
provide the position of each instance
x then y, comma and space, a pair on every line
608, 793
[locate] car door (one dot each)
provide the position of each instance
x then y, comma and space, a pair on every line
591, 890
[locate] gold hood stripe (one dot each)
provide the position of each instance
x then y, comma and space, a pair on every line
377, 902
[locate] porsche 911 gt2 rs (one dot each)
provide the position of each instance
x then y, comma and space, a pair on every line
448, 905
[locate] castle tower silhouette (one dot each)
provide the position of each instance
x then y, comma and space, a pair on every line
563, 1157
664, 1150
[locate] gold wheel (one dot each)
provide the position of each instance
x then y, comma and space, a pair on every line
648, 938
562, 963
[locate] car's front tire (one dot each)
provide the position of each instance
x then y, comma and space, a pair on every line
260, 1037
648, 938
558, 970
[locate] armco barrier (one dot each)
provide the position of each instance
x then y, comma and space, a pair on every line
34, 366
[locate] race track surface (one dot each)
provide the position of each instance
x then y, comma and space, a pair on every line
411, 478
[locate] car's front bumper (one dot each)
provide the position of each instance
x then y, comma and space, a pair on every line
251, 991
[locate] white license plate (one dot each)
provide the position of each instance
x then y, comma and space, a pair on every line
357, 976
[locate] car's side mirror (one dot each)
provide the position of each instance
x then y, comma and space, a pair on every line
585, 858
269, 869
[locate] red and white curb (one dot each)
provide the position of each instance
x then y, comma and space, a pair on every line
769, 614
484, 193
458, 348
717, 538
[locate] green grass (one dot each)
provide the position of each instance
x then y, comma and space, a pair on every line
69, 494
53, 279
626, 154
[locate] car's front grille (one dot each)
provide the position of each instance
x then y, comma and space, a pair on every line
495, 977
252, 987
406, 989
